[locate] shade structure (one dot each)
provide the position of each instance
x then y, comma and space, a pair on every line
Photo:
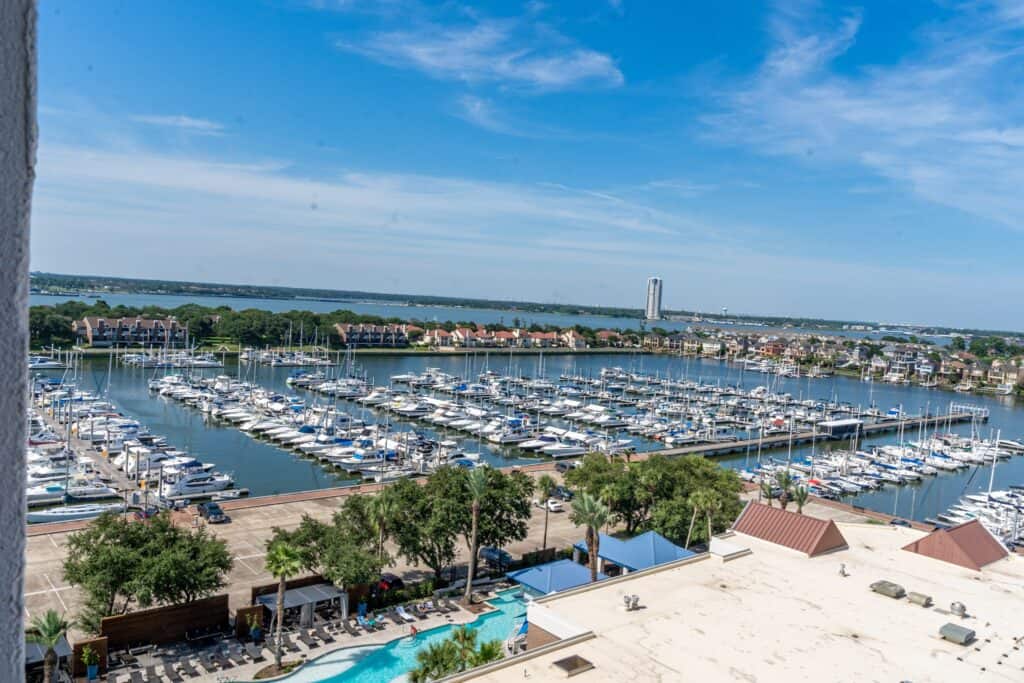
554, 577
34, 652
297, 597
640, 552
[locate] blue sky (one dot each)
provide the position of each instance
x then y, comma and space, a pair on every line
855, 161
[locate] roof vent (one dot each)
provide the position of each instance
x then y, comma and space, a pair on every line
920, 599
959, 609
574, 664
955, 633
888, 588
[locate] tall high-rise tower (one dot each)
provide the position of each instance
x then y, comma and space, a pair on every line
653, 310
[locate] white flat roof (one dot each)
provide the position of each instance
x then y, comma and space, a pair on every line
776, 615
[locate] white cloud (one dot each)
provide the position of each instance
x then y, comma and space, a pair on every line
181, 122
936, 123
510, 52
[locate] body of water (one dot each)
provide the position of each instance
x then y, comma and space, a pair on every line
266, 469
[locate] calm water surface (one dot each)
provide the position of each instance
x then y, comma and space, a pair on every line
265, 469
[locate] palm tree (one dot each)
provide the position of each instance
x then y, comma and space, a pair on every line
546, 487
47, 630
283, 561
435, 661
590, 512
784, 480
489, 651
800, 495
766, 491
712, 503
699, 501
477, 490
464, 638
382, 508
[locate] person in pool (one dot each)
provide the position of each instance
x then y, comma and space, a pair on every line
413, 631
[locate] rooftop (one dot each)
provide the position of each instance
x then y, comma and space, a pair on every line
776, 615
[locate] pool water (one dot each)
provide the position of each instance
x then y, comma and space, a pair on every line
390, 662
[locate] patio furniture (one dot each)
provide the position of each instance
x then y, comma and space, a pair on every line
151, 674
136, 676
362, 621
236, 656
307, 640
449, 605
349, 629
255, 652
322, 633
288, 643
393, 616
171, 674
206, 661
400, 610
187, 668
224, 662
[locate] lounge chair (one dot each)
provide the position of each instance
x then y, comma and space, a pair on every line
289, 644
420, 611
394, 616
349, 628
151, 674
206, 661
449, 605
367, 625
236, 656
322, 633
254, 651
136, 676
172, 675
222, 660
187, 668
307, 640
400, 610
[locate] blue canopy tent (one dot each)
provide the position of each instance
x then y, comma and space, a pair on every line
553, 577
640, 552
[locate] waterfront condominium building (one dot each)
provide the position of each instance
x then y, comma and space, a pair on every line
653, 310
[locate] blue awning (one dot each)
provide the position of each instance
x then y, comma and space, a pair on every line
554, 577
646, 550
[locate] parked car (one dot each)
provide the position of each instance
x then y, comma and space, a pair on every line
564, 466
212, 513
563, 493
496, 557
555, 505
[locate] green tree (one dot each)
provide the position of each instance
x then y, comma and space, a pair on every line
283, 561
435, 661
765, 490
591, 513
699, 501
800, 495
477, 488
784, 480
546, 487
120, 563
47, 630
423, 523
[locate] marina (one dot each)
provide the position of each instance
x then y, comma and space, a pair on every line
278, 429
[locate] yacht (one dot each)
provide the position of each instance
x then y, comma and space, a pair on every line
67, 513
195, 483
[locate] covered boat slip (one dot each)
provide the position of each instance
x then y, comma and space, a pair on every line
306, 599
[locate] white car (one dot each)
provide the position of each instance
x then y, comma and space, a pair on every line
554, 505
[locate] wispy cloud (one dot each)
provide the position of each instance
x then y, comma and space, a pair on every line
181, 122
513, 52
482, 113
933, 123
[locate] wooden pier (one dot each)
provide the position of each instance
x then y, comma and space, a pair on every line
777, 441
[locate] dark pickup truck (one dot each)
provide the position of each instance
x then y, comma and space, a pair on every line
212, 513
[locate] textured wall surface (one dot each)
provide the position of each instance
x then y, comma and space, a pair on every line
17, 163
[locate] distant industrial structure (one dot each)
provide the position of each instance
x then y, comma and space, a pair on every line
653, 309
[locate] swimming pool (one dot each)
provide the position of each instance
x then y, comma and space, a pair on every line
391, 661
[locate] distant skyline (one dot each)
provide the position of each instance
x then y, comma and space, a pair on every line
859, 161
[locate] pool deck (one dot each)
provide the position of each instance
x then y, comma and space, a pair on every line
251, 524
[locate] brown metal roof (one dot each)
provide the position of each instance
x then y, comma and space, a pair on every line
969, 545
808, 535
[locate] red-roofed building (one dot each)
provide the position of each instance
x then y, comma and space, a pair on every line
969, 545
808, 535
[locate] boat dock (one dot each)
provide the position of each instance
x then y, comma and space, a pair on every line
776, 441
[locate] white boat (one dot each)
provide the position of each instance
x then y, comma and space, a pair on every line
196, 483
67, 513
57, 493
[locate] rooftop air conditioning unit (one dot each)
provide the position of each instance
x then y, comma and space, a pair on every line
893, 590
955, 633
920, 599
